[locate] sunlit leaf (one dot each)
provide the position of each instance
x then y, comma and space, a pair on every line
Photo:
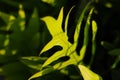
94, 27
88, 74
54, 26
68, 49
57, 54
59, 38
66, 20
52, 2
73, 59
42, 73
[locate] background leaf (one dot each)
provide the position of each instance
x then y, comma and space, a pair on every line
115, 52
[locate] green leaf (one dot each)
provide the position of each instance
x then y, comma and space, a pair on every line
116, 62
16, 37
66, 20
12, 68
52, 2
11, 2
2, 40
107, 45
7, 55
34, 24
86, 36
19, 24
7, 17
18, 27
88, 74
115, 52
18, 76
58, 54
94, 27
33, 61
42, 73
68, 49
59, 38
35, 42
94, 32
79, 22
54, 26
74, 58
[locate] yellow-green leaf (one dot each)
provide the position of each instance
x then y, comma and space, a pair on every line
88, 74
54, 26
73, 59
60, 40
42, 72
94, 26
52, 2
66, 20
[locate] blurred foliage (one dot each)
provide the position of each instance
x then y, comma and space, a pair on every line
23, 34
